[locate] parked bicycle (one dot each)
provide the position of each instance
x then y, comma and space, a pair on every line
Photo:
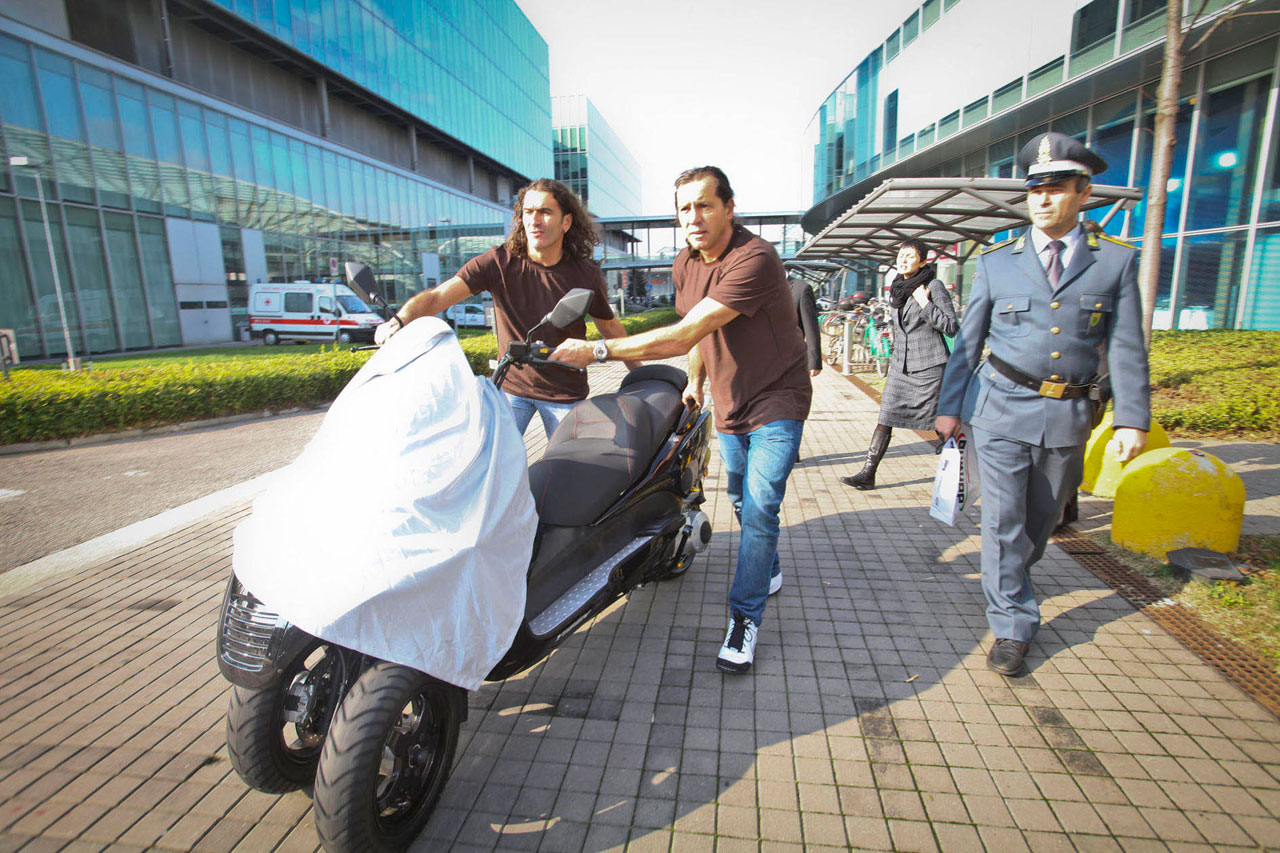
871, 336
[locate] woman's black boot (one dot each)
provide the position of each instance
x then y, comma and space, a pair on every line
866, 478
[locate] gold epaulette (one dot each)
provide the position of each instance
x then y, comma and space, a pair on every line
1116, 240
998, 245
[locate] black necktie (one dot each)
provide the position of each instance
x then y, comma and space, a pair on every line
1054, 269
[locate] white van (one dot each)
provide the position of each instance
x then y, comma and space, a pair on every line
309, 311
466, 315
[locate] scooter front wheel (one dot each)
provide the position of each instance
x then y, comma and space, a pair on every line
273, 748
386, 760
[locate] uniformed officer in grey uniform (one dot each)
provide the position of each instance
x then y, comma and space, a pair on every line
1047, 305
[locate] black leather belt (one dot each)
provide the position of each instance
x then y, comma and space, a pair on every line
1044, 387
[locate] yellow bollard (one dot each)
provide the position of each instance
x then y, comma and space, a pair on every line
1173, 497
1101, 470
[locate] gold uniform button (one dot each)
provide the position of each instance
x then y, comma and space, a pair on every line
1054, 305
1097, 305
1009, 307
1055, 377
1055, 330
1055, 354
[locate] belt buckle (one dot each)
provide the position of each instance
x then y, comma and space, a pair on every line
1052, 389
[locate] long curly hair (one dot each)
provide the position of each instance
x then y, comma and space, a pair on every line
579, 240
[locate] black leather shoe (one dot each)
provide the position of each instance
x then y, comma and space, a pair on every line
1006, 656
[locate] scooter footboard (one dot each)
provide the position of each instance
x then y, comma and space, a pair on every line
255, 646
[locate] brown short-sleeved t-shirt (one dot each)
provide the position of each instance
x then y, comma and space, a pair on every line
756, 361
523, 292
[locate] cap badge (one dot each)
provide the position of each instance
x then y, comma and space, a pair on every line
1045, 154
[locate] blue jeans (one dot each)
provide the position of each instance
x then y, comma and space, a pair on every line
523, 409
757, 465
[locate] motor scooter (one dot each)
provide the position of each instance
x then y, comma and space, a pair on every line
617, 493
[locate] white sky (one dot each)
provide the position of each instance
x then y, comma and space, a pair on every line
732, 83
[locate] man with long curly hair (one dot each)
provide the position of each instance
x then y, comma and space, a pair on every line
547, 254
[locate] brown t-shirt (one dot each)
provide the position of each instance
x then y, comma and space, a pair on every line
523, 292
756, 361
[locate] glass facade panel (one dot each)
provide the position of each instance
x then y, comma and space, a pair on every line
1212, 265
1227, 150
42, 274
126, 276
144, 172
104, 135
93, 294
1262, 304
158, 280
68, 151
16, 309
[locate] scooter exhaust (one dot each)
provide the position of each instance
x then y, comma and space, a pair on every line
696, 534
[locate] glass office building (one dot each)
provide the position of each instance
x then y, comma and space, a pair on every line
1090, 70
591, 160
188, 153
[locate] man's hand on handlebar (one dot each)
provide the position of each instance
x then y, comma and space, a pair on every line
384, 332
693, 395
575, 352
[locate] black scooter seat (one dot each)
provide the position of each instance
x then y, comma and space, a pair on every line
605, 445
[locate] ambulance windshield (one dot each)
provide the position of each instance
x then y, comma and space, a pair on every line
353, 305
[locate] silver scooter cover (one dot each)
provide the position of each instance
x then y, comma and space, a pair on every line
405, 527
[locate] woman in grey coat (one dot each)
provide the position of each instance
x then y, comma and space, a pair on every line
922, 313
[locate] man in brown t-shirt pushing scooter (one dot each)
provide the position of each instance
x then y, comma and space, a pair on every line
547, 254
740, 331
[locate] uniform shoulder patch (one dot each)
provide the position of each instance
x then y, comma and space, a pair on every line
1116, 240
989, 249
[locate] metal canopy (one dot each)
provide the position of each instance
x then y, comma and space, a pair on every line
938, 211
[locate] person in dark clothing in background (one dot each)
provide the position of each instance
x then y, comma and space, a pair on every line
807, 317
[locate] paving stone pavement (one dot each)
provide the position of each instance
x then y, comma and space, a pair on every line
868, 722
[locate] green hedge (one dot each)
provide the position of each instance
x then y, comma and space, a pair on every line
38, 405
1216, 382
41, 405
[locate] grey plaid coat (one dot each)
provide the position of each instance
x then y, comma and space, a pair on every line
917, 360
917, 333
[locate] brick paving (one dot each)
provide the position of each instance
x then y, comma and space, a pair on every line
869, 721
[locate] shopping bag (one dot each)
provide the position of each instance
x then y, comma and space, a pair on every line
955, 485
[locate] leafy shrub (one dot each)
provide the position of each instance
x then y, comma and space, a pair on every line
40, 405
1216, 382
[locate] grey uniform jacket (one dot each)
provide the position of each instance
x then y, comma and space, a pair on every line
917, 333
1050, 334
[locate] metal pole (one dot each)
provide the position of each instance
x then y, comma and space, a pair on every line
848, 345
53, 265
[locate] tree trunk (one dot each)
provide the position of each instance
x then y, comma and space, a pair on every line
1161, 163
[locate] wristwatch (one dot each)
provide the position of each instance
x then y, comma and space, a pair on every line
601, 351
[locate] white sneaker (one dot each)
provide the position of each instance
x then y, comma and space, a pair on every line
775, 583
739, 648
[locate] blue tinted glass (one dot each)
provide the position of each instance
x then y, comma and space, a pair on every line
1225, 165
61, 104
100, 110
18, 94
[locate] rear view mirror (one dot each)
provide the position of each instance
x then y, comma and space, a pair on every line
571, 308
360, 279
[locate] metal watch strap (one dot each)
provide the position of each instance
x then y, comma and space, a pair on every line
601, 351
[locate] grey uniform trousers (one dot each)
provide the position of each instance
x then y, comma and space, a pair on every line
1024, 488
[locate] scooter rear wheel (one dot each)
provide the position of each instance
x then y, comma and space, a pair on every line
386, 760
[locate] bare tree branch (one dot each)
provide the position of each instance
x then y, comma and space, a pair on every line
1228, 17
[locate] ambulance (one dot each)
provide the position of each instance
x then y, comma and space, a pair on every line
309, 311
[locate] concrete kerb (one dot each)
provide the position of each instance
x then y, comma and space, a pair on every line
127, 538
